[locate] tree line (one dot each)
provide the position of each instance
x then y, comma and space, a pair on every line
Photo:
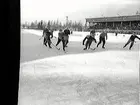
55, 25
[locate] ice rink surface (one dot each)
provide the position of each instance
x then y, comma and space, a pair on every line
101, 77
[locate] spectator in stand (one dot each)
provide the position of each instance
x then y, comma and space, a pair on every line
117, 26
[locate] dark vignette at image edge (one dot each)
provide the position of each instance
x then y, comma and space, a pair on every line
12, 60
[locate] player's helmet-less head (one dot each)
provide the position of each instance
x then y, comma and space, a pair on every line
104, 30
92, 31
60, 30
133, 33
46, 29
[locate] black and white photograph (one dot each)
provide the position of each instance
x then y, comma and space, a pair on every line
79, 52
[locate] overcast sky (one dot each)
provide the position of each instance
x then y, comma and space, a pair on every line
76, 10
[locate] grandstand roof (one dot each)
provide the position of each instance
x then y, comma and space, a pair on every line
114, 19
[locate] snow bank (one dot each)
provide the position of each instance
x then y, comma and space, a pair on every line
36, 32
91, 65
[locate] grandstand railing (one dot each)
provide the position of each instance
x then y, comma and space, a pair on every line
119, 31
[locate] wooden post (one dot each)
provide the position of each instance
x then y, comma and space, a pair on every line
113, 24
66, 21
106, 24
121, 23
86, 24
89, 23
130, 24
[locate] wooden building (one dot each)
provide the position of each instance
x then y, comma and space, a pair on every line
123, 22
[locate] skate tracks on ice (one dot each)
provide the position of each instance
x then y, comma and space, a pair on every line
101, 78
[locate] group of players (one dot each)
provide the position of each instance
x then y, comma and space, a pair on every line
103, 37
90, 38
63, 36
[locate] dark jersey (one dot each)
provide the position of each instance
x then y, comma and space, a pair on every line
89, 38
132, 37
103, 35
47, 34
67, 31
60, 35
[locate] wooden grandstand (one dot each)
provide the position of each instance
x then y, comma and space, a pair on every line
115, 23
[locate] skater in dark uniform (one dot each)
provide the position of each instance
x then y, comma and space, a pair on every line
44, 31
102, 38
66, 36
89, 39
131, 40
116, 33
47, 37
61, 38
71, 32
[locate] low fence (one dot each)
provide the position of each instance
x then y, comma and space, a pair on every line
120, 31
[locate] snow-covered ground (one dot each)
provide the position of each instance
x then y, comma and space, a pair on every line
108, 77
